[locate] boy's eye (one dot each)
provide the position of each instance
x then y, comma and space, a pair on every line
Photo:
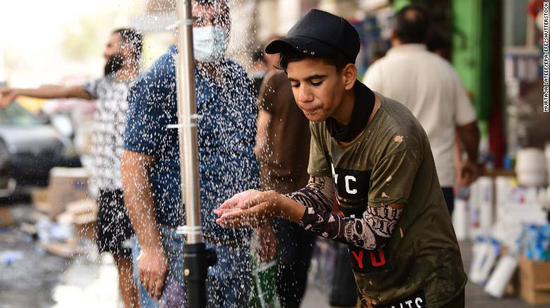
316, 83
295, 85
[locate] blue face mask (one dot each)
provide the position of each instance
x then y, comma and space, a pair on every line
210, 43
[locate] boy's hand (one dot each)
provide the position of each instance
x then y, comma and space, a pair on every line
248, 209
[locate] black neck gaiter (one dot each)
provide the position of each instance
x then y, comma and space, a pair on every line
362, 109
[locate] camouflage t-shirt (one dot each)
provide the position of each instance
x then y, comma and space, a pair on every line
391, 162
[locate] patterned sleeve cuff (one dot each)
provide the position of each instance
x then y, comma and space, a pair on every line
323, 223
308, 216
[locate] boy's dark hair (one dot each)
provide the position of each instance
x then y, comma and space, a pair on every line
132, 37
338, 59
412, 24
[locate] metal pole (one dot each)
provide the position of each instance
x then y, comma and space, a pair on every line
196, 257
187, 116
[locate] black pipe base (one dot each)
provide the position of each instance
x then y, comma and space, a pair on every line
196, 260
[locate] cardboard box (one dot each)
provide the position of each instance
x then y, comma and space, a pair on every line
87, 230
66, 185
40, 200
532, 295
84, 217
535, 273
84, 210
64, 250
534, 281
6, 219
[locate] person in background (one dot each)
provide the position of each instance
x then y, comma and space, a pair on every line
227, 164
429, 86
441, 45
282, 146
258, 69
122, 53
262, 64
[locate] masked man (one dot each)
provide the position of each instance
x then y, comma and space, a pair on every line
151, 165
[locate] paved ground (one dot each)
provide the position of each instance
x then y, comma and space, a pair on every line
38, 279
26, 282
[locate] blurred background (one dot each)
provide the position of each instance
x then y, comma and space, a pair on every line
46, 252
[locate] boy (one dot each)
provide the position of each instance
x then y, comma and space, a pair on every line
375, 157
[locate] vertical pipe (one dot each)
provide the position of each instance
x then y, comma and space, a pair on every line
187, 119
196, 258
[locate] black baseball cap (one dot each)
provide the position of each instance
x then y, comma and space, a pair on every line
319, 33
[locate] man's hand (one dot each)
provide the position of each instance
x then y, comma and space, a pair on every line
7, 96
468, 172
152, 271
251, 208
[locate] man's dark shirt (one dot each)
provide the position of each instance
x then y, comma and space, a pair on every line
226, 136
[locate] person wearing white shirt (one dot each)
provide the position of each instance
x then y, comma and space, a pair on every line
429, 86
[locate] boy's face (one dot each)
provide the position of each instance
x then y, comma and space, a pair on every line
318, 88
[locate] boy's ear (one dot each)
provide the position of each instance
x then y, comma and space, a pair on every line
350, 75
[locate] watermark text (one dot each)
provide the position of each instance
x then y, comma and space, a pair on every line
545, 58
